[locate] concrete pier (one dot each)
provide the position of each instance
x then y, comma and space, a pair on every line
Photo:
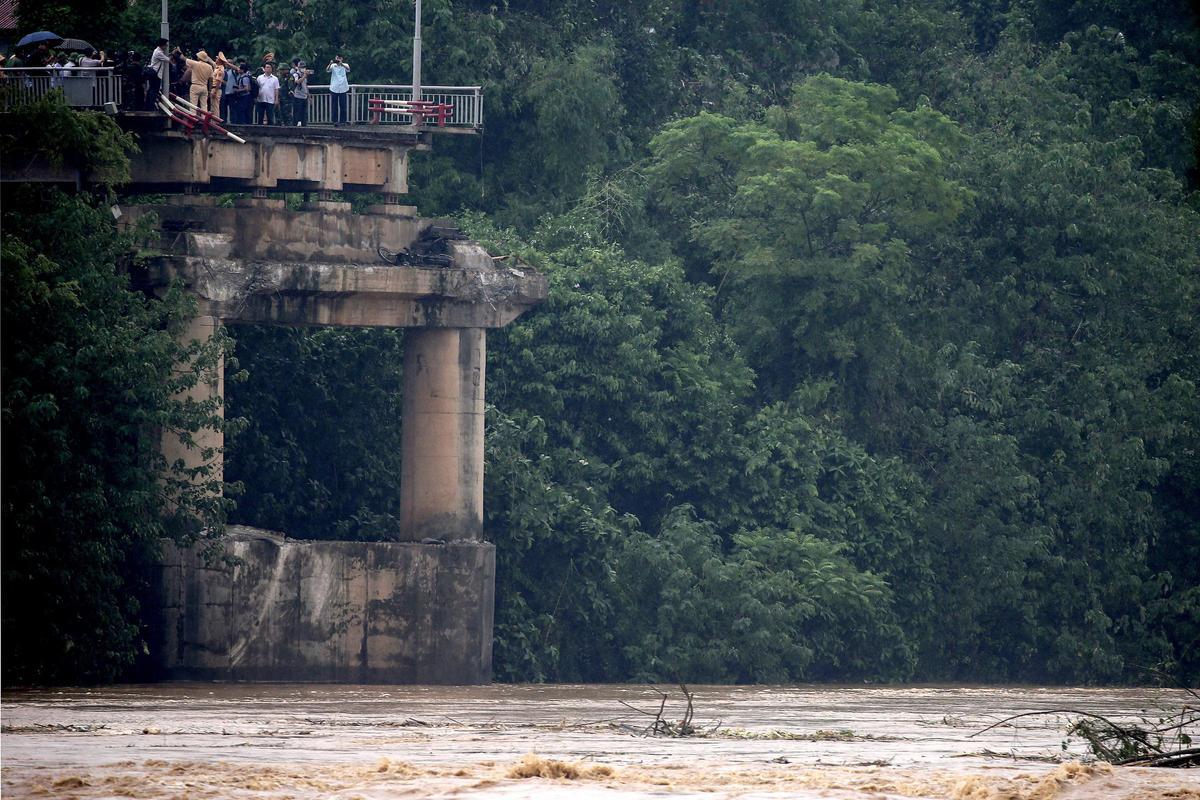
417, 610
441, 462
278, 609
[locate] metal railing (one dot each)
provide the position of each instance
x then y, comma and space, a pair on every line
81, 87
466, 100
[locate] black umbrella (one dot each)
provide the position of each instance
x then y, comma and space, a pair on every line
75, 46
32, 39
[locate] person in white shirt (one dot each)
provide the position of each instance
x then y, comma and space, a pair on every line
58, 70
268, 96
158, 67
339, 88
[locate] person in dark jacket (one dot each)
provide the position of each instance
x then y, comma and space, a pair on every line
246, 93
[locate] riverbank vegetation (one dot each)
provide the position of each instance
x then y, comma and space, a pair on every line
870, 352
90, 371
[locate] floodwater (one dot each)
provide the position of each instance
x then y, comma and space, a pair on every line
202, 740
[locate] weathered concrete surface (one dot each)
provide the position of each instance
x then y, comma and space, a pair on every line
441, 446
274, 158
404, 612
322, 267
283, 267
278, 158
285, 610
326, 234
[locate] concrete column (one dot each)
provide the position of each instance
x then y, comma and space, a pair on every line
334, 170
201, 328
397, 178
441, 471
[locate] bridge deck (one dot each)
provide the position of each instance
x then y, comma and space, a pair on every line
274, 158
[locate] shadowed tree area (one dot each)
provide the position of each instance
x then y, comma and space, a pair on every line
91, 371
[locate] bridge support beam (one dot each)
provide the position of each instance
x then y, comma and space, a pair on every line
441, 461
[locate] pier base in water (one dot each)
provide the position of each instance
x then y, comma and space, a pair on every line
276, 609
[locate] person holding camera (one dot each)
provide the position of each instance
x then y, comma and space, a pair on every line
339, 88
229, 87
300, 73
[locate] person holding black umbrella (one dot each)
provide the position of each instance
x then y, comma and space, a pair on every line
33, 49
44, 38
75, 46
41, 56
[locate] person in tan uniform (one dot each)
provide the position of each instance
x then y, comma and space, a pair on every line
215, 89
202, 72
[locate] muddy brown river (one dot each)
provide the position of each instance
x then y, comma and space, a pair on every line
584, 742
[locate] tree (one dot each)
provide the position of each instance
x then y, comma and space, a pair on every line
616, 489
91, 373
820, 212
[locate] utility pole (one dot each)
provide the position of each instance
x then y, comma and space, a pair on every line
164, 72
416, 60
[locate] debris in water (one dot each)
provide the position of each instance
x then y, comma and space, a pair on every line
534, 766
815, 736
71, 782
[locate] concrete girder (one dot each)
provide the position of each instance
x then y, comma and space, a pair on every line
273, 158
343, 295
418, 610
170, 161
266, 265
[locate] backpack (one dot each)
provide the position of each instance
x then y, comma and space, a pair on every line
246, 90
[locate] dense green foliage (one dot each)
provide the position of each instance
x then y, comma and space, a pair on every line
320, 446
90, 370
634, 493
871, 344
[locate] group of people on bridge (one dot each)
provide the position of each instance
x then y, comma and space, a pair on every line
239, 94
57, 62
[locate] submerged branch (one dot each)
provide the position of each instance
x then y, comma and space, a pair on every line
1045, 714
1128, 744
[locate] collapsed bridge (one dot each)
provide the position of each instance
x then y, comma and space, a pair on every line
414, 610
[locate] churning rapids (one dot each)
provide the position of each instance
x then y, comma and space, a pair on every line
305, 741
